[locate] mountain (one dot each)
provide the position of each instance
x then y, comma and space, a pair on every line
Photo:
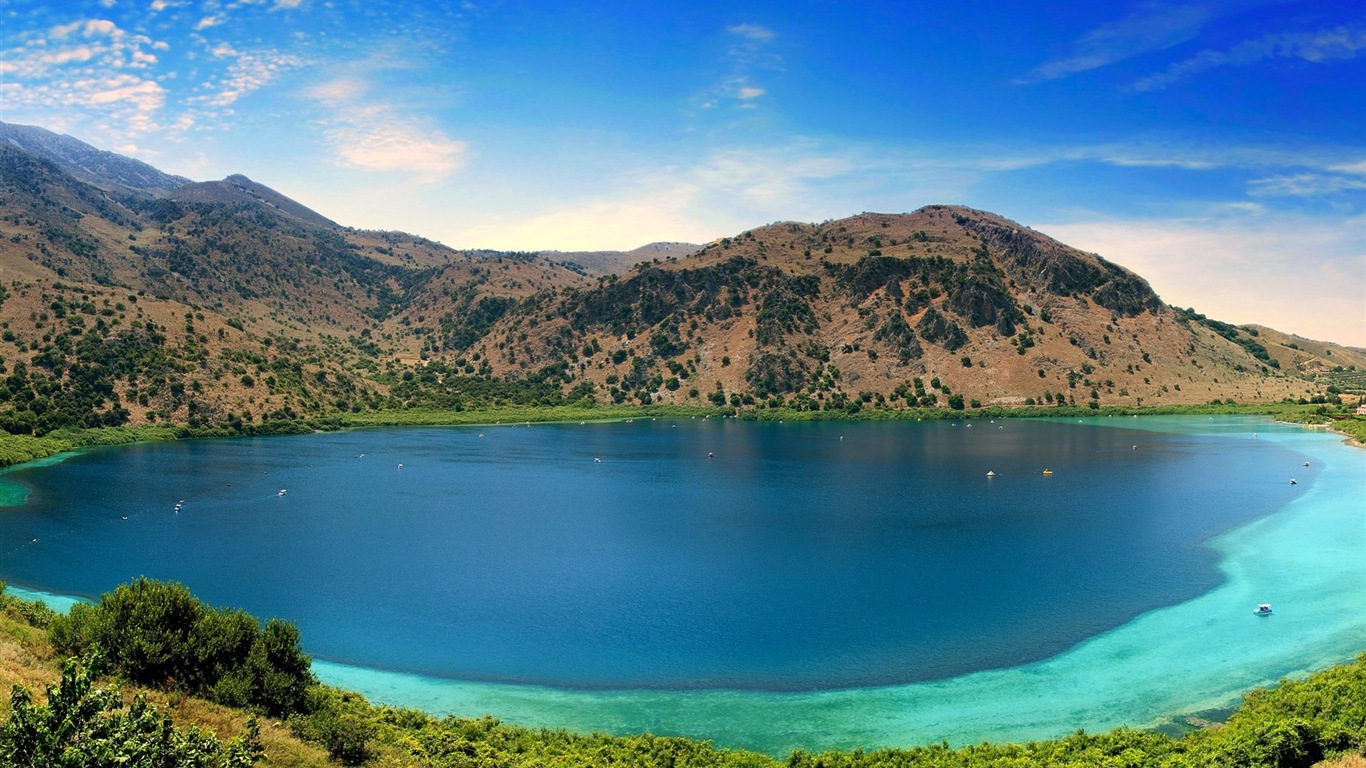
943, 305
131, 296
615, 262
95, 166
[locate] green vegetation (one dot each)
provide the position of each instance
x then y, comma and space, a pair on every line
83, 725
159, 635
1296, 724
1233, 333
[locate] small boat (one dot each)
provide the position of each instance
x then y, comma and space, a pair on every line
711, 455
1048, 471
1293, 482
282, 492
1306, 463
1263, 610
990, 473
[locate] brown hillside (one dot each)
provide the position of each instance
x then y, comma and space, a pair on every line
859, 308
226, 303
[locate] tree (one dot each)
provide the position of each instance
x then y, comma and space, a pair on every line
158, 634
82, 726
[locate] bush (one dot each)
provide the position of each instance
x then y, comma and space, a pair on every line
158, 634
85, 727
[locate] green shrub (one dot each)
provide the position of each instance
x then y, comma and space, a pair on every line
158, 634
82, 726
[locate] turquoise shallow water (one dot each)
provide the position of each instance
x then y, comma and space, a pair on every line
1308, 559
1305, 556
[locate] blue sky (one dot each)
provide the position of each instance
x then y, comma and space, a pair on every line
1216, 147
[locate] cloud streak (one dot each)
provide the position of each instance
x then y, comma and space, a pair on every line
1154, 26
1329, 45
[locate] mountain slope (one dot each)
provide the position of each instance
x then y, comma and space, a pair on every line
95, 166
858, 309
225, 302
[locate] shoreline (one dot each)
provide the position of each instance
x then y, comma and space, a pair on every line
1145, 674
895, 707
24, 450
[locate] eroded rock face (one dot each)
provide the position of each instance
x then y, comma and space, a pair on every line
936, 328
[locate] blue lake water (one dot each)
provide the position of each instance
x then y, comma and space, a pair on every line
811, 585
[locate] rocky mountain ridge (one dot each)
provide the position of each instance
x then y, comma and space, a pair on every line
129, 297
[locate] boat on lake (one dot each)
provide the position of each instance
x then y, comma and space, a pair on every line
1263, 610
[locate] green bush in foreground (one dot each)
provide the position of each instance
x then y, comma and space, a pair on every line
82, 726
158, 634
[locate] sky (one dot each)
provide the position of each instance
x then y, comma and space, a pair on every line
1216, 147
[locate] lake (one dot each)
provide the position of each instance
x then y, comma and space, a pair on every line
702, 576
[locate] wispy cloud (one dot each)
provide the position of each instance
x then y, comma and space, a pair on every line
748, 53
1328, 45
1153, 26
1306, 185
372, 135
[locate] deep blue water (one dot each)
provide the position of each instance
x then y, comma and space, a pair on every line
803, 556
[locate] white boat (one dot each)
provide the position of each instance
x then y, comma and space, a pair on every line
1263, 610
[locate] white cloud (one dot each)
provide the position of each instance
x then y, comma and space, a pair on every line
1153, 26
1337, 44
336, 93
371, 135
752, 32
1299, 274
1358, 167
85, 66
1305, 185
750, 51
429, 155
247, 71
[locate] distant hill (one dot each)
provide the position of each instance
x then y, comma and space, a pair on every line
597, 263
130, 296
